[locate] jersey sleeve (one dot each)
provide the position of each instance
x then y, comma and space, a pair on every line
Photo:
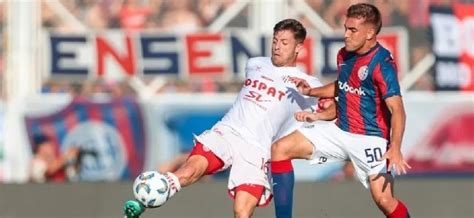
248, 66
252, 64
340, 58
313, 81
386, 79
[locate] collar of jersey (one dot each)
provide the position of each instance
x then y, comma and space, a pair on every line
370, 50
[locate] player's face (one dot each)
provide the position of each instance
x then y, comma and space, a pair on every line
357, 35
285, 48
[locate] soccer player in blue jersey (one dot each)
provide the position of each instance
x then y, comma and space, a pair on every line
370, 119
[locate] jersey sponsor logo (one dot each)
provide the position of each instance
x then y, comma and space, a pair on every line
256, 96
363, 72
263, 87
347, 88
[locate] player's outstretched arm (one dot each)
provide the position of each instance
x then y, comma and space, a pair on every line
394, 154
326, 91
302, 85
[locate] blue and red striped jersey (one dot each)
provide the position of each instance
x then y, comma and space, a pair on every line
364, 82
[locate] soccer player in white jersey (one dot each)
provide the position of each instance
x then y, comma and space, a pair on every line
262, 113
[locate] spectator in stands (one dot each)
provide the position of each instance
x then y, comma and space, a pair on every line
179, 17
157, 10
133, 15
48, 17
47, 164
94, 13
209, 10
334, 14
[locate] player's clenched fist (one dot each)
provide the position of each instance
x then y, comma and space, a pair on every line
301, 84
304, 116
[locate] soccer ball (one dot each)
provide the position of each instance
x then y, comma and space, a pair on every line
151, 189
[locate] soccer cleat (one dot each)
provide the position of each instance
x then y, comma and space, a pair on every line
133, 209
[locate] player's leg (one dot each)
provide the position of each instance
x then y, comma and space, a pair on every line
200, 162
381, 188
365, 153
192, 170
293, 146
246, 199
248, 183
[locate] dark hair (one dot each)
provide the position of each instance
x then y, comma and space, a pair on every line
291, 24
367, 11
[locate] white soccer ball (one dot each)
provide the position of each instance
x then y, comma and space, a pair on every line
151, 189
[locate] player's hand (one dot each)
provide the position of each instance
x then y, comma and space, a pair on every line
397, 163
301, 84
304, 116
324, 103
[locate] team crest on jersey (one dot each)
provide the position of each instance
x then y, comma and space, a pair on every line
363, 72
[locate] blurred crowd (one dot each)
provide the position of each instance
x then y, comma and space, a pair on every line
136, 15
123, 88
183, 16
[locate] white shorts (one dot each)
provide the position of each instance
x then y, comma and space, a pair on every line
333, 144
249, 163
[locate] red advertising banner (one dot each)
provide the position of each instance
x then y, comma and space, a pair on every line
448, 149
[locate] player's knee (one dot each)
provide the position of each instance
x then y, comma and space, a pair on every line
242, 212
280, 150
385, 202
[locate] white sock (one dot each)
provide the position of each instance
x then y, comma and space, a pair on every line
173, 182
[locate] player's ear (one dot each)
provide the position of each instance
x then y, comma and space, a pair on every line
371, 34
298, 48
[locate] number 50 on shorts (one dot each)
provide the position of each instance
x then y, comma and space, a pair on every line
373, 154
